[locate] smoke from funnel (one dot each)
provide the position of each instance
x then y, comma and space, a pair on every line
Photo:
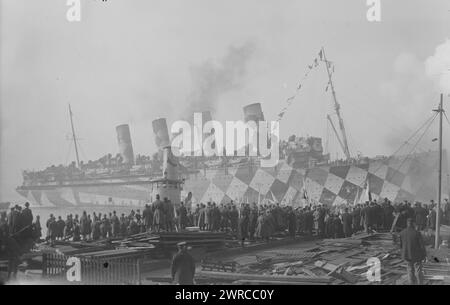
211, 79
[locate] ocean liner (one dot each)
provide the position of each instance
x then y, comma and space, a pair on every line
304, 174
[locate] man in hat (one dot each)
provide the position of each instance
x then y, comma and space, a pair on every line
27, 221
347, 223
183, 266
158, 214
51, 229
413, 252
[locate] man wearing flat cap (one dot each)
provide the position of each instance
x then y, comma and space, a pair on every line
183, 266
413, 252
27, 221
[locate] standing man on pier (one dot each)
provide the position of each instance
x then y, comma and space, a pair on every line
27, 219
183, 266
413, 252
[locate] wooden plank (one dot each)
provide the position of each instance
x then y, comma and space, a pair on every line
241, 276
308, 272
394, 223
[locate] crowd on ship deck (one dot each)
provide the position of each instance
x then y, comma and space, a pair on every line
113, 165
106, 165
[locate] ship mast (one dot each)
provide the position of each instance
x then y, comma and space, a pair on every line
74, 137
335, 132
337, 107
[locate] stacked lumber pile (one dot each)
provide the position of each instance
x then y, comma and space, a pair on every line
334, 261
78, 247
145, 244
169, 240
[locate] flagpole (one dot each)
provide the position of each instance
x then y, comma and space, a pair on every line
440, 110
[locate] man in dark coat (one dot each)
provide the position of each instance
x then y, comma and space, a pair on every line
356, 218
420, 216
347, 223
158, 214
292, 222
309, 221
329, 226
60, 224
388, 211
10, 249
68, 229
253, 221
115, 224
223, 218
378, 215
169, 215
183, 266
432, 217
319, 219
27, 221
368, 212
244, 219
147, 214
51, 229
182, 216
234, 218
83, 225
413, 252
13, 219
338, 230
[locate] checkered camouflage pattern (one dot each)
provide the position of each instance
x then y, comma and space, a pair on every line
404, 178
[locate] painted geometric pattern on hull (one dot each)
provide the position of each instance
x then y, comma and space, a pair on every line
117, 195
404, 178
412, 178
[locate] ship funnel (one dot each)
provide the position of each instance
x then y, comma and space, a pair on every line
125, 145
253, 112
161, 132
168, 186
162, 140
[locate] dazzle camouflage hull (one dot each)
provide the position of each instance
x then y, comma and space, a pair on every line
404, 178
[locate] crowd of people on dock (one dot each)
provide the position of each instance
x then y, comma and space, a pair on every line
251, 221
19, 229
244, 220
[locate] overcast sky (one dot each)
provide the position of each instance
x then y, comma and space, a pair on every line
133, 61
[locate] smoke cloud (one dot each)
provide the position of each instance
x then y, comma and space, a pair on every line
438, 67
210, 79
410, 97
412, 93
